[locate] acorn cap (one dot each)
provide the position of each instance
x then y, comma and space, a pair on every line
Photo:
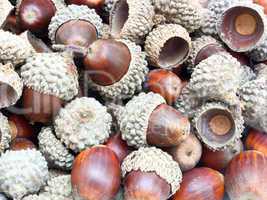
230, 131
83, 123
74, 12
134, 118
5, 8
51, 73
261, 70
56, 154
167, 7
246, 75
259, 54
105, 32
5, 133
131, 82
45, 196
235, 34
133, 26
14, 49
22, 172
55, 173
168, 46
159, 19
151, 159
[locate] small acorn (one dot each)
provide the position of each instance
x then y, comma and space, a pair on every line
257, 140
96, 4
21, 144
148, 120
246, 176
149, 173
96, 174
201, 183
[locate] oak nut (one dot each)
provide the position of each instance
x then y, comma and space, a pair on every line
257, 141
21, 144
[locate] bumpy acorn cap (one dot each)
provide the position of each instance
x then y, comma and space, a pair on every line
5, 8
5, 133
202, 119
51, 73
55, 173
13, 49
83, 123
151, 159
133, 119
135, 26
22, 172
105, 32
216, 78
159, 19
159, 46
45, 196
253, 95
259, 54
246, 75
56, 154
74, 12
261, 70
131, 82
167, 7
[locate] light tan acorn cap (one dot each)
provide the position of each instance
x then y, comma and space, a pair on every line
261, 70
157, 40
139, 20
3, 197
22, 173
133, 119
5, 8
5, 133
84, 122
56, 154
131, 82
14, 49
246, 75
74, 12
152, 159
51, 73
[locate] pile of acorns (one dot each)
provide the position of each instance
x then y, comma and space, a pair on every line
133, 99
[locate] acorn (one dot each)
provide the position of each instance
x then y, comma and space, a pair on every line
83, 123
10, 22
55, 153
150, 173
75, 26
90, 171
148, 120
14, 181
201, 183
167, 46
116, 75
50, 79
257, 140
127, 19
219, 126
36, 15
219, 160
21, 144
245, 176
96, 4
165, 83
242, 26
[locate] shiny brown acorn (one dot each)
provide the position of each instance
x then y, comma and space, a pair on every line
11, 23
96, 174
21, 144
257, 140
246, 176
97, 4
201, 183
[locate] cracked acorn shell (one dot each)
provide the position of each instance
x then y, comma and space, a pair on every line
167, 46
218, 125
127, 19
132, 81
56, 154
22, 172
83, 123
150, 161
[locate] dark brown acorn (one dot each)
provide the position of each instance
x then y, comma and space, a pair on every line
165, 83
107, 61
96, 174
11, 23
257, 140
21, 144
97, 4
201, 184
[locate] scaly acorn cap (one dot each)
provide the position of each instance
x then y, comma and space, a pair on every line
259, 54
246, 75
159, 19
84, 122
261, 70
14, 49
134, 118
158, 39
201, 124
56, 154
22, 172
5, 8
136, 26
45, 196
51, 73
132, 81
5, 133
74, 12
151, 159
167, 7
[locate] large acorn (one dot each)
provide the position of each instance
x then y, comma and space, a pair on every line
148, 120
149, 173
116, 68
83, 123
257, 141
49, 79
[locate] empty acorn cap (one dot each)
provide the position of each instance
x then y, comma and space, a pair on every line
151, 159
242, 26
5, 133
5, 8
168, 46
127, 19
218, 125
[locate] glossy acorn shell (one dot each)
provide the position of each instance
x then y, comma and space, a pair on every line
11, 23
21, 144
97, 4
257, 140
